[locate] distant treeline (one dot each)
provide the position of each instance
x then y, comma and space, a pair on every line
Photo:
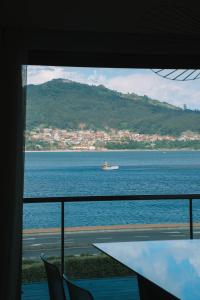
133, 145
41, 145
128, 145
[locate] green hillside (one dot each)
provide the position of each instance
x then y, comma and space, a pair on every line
65, 104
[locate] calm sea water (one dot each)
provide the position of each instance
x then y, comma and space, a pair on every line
49, 174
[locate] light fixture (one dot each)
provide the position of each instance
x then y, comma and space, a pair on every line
178, 74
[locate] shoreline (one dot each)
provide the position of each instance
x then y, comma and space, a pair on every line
122, 150
107, 228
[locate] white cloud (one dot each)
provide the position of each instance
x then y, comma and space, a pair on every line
177, 93
140, 82
38, 74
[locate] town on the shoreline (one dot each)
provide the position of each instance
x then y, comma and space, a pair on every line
42, 138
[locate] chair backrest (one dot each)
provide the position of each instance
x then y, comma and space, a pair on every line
55, 281
76, 292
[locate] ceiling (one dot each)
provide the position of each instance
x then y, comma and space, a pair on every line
143, 17
155, 33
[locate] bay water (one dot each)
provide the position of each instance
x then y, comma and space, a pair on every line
62, 174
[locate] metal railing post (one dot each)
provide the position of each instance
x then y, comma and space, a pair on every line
62, 235
191, 218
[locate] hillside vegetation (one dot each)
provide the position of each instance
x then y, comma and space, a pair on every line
65, 104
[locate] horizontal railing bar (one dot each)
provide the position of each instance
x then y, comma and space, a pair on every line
110, 198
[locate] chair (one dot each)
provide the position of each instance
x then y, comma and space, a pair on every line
55, 282
56, 287
76, 292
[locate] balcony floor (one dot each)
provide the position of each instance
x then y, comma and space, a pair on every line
104, 288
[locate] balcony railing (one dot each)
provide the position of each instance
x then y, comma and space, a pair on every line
63, 200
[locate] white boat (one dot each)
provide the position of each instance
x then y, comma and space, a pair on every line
106, 166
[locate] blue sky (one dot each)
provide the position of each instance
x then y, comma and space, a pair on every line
139, 81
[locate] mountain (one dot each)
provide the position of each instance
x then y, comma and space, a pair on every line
66, 104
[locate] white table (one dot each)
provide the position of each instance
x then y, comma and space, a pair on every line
165, 269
